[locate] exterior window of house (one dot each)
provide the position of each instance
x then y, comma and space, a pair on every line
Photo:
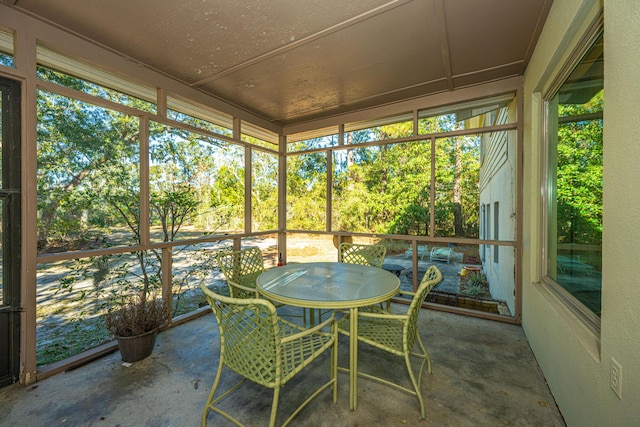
487, 230
496, 228
573, 187
482, 228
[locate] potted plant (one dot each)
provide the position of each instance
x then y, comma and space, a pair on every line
134, 321
135, 311
475, 285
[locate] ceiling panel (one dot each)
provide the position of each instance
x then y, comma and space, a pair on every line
362, 62
291, 61
490, 33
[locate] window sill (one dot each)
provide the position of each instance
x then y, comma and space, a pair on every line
585, 325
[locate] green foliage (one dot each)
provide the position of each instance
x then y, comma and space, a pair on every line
173, 208
475, 285
387, 189
475, 291
198, 168
306, 191
199, 181
579, 174
82, 150
89, 190
264, 191
89, 156
477, 279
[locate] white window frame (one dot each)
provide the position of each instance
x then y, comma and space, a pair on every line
579, 310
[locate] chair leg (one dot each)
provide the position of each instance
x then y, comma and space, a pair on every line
416, 386
424, 355
207, 406
334, 361
274, 407
211, 402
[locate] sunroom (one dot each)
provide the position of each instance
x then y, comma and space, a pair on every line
153, 137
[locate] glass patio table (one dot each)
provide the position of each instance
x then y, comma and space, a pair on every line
332, 285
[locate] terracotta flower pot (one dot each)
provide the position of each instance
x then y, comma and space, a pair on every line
472, 269
345, 239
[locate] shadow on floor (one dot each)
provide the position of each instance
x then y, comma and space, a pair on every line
484, 374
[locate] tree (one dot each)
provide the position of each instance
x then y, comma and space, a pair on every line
306, 191
264, 191
579, 173
80, 149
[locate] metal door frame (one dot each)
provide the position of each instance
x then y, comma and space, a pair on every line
10, 195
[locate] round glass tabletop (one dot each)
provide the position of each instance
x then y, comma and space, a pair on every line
328, 285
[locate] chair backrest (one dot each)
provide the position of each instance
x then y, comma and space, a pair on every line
354, 253
241, 267
249, 336
432, 277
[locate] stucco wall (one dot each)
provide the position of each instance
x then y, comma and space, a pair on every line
500, 187
575, 362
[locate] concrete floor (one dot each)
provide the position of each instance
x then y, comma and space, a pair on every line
484, 374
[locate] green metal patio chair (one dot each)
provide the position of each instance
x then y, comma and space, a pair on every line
397, 334
355, 253
372, 255
241, 269
266, 349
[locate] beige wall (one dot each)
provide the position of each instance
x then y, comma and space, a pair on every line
576, 362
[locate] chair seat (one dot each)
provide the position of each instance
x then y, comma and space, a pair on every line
295, 355
384, 333
299, 352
